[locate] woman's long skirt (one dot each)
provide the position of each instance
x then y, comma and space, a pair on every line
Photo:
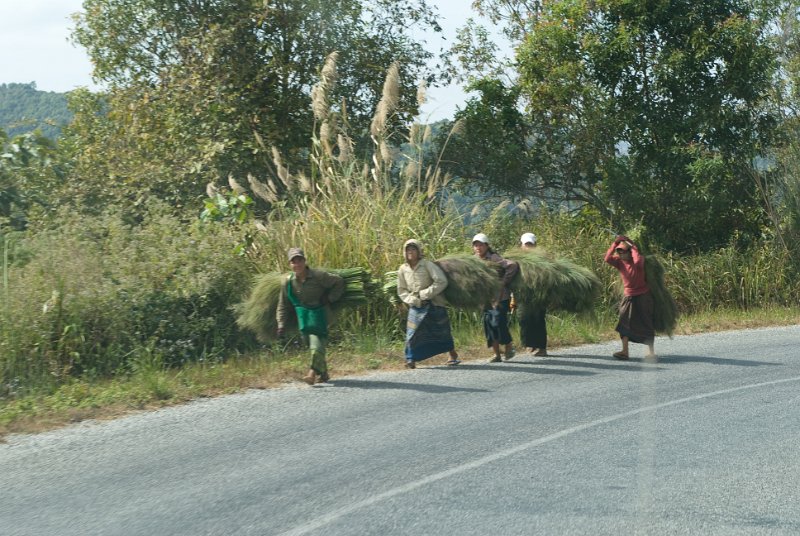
636, 318
495, 324
532, 326
428, 332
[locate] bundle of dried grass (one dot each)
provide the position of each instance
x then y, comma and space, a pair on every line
258, 313
557, 284
665, 310
471, 282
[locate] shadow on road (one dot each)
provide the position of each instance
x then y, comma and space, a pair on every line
638, 363
617, 365
425, 388
518, 366
670, 359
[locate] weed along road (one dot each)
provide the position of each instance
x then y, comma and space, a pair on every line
706, 441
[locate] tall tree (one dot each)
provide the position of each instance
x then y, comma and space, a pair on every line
652, 110
204, 87
489, 147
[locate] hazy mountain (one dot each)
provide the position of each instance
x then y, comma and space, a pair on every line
23, 108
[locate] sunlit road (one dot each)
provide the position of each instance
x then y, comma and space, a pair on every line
707, 442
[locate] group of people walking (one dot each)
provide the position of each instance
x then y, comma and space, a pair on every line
420, 284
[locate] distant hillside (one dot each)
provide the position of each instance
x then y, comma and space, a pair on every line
23, 108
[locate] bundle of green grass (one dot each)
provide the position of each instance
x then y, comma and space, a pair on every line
258, 312
665, 310
555, 283
471, 282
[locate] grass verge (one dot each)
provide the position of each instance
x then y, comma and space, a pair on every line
155, 387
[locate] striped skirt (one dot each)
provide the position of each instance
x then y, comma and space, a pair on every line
427, 332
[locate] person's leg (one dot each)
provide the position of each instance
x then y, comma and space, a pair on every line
651, 354
540, 331
318, 363
623, 354
496, 348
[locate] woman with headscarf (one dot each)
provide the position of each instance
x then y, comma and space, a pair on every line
636, 308
495, 317
532, 316
420, 284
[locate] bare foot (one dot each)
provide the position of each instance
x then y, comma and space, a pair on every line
621, 355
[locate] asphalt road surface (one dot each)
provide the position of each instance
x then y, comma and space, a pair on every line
706, 441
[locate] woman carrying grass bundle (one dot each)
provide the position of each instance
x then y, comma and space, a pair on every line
420, 284
636, 308
309, 292
495, 317
532, 323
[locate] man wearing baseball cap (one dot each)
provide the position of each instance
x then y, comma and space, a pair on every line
309, 291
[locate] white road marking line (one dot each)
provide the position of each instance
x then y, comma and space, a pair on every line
405, 488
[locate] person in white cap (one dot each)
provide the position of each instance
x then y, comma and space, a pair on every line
495, 317
532, 323
420, 284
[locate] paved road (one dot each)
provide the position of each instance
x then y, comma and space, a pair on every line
705, 442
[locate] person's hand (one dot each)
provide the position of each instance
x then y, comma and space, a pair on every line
416, 302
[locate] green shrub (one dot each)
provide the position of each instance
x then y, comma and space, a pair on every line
90, 293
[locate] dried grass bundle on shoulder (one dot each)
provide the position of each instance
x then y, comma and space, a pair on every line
555, 283
471, 282
665, 309
258, 312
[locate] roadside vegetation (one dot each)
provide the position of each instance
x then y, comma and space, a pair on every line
127, 245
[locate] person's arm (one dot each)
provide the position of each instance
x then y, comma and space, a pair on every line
438, 285
334, 285
282, 312
405, 295
638, 258
510, 270
610, 258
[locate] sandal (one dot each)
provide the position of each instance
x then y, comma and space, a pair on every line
453, 362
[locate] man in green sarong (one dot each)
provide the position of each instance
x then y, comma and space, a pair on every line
310, 292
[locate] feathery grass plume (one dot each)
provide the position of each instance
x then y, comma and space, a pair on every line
413, 133
237, 188
665, 310
471, 282
422, 93
211, 190
258, 312
261, 190
326, 134
320, 103
282, 171
557, 284
426, 136
388, 103
345, 145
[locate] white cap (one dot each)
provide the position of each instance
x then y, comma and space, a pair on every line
527, 238
480, 237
